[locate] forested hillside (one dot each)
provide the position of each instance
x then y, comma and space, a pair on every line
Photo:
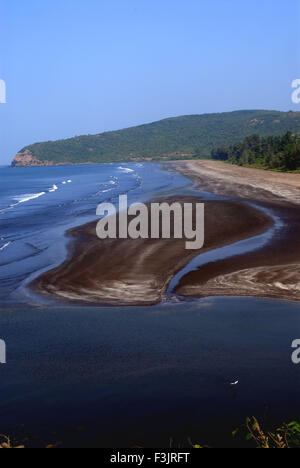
282, 153
182, 137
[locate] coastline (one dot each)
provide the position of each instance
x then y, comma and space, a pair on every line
270, 272
138, 272
280, 188
126, 272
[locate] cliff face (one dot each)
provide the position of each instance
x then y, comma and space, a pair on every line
27, 159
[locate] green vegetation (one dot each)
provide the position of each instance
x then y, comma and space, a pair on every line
182, 137
279, 153
5, 443
285, 437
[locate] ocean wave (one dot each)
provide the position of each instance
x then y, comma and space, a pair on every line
4, 246
27, 197
105, 191
126, 170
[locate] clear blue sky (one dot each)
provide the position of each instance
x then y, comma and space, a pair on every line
85, 66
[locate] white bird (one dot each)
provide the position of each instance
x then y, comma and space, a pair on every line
235, 383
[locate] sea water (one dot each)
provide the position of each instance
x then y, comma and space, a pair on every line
127, 376
38, 205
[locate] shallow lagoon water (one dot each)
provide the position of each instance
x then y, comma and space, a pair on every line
233, 250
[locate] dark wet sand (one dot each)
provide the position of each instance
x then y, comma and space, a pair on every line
137, 272
272, 271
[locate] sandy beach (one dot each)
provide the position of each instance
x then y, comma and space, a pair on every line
242, 182
272, 271
137, 272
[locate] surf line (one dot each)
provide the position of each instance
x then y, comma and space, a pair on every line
4, 246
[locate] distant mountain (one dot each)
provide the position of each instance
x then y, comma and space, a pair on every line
192, 136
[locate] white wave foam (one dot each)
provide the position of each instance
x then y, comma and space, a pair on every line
125, 169
4, 246
69, 181
27, 197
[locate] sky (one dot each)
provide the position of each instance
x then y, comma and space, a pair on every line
75, 67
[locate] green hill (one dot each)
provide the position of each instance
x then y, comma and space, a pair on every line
185, 137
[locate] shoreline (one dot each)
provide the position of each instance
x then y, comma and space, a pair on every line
280, 188
138, 272
126, 272
272, 271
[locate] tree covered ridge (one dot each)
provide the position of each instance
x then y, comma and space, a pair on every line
274, 152
184, 137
